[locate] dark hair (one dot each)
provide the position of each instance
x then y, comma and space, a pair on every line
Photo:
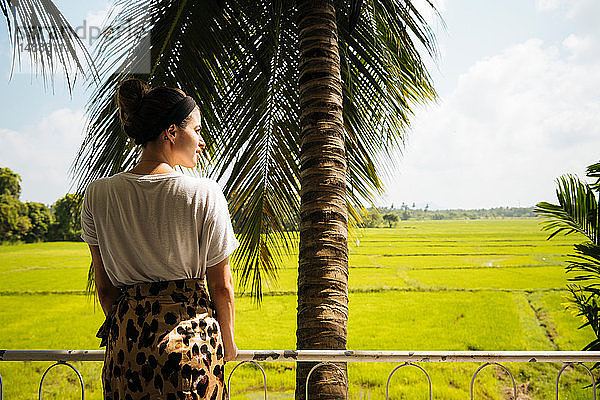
141, 109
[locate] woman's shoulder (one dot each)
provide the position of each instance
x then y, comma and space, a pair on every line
191, 185
104, 181
200, 184
98, 183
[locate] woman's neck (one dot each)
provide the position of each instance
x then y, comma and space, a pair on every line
152, 162
151, 167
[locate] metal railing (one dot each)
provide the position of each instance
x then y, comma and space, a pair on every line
328, 357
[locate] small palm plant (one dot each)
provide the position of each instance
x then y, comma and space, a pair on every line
577, 213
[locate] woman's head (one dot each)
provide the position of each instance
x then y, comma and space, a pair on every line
145, 113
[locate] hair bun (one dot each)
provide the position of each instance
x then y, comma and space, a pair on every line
129, 99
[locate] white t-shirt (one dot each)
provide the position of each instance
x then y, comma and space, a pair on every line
157, 227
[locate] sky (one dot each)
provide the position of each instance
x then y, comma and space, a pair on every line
518, 106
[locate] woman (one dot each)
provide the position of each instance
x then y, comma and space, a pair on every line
154, 235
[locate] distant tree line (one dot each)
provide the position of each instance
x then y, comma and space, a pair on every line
390, 216
35, 222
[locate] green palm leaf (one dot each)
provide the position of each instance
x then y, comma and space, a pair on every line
593, 171
586, 262
39, 28
383, 77
259, 158
585, 305
577, 211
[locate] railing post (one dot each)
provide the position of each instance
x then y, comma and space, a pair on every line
321, 364
572, 365
503, 367
233, 370
68, 365
387, 387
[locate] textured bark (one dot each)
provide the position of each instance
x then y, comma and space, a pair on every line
323, 266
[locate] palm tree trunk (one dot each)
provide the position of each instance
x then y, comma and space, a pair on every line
323, 266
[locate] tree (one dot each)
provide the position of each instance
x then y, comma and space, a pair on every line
405, 213
67, 210
19, 221
285, 132
10, 211
10, 183
41, 219
372, 219
12, 223
23, 225
391, 219
577, 213
323, 265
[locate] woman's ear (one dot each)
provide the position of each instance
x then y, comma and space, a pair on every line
170, 134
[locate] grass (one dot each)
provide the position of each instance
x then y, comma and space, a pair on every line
36, 267
508, 278
432, 285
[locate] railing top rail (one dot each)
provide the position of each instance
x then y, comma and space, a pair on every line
337, 356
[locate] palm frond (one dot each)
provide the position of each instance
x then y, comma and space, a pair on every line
240, 61
260, 156
585, 305
585, 263
38, 28
593, 171
384, 78
90, 286
577, 211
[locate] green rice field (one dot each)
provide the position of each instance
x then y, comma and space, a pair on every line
424, 285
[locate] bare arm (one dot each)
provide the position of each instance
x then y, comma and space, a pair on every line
220, 286
107, 293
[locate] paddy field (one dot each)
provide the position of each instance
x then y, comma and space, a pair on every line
424, 285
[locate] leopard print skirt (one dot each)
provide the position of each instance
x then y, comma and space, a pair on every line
163, 342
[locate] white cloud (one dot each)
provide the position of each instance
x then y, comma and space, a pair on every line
42, 154
582, 48
583, 12
514, 123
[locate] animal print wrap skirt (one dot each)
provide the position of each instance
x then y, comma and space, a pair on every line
163, 342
